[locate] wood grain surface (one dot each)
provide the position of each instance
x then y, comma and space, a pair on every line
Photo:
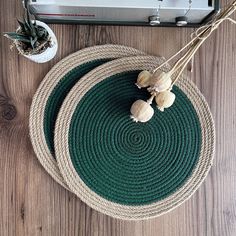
31, 203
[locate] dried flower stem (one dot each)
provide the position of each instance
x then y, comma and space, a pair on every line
201, 34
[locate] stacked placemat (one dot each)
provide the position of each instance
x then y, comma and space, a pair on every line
82, 134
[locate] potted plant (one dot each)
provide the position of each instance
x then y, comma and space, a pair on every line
34, 39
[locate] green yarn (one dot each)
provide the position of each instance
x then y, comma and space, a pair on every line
132, 163
58, 95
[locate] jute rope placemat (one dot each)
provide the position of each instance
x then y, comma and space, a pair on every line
132, 170
52, 91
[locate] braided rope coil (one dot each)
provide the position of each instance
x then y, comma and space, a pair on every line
53, 77
94, 200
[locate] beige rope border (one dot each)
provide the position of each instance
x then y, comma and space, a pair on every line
94, 200
45, 89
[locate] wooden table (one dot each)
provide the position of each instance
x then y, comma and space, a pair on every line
32, 203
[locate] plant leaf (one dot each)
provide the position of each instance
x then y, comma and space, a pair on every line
27, 25
33, 41
33, 31
16, 36
21, 25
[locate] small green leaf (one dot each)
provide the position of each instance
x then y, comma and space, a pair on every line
33, 31
23, 27
33, 41
30, 22
21, 24
27, 25
16, 36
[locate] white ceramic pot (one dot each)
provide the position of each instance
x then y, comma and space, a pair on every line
50, 52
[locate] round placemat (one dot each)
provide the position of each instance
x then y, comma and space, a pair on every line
125, 169
52, 91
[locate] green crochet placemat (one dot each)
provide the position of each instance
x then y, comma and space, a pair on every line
132, 170
52, 91
127, 162
58, 95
